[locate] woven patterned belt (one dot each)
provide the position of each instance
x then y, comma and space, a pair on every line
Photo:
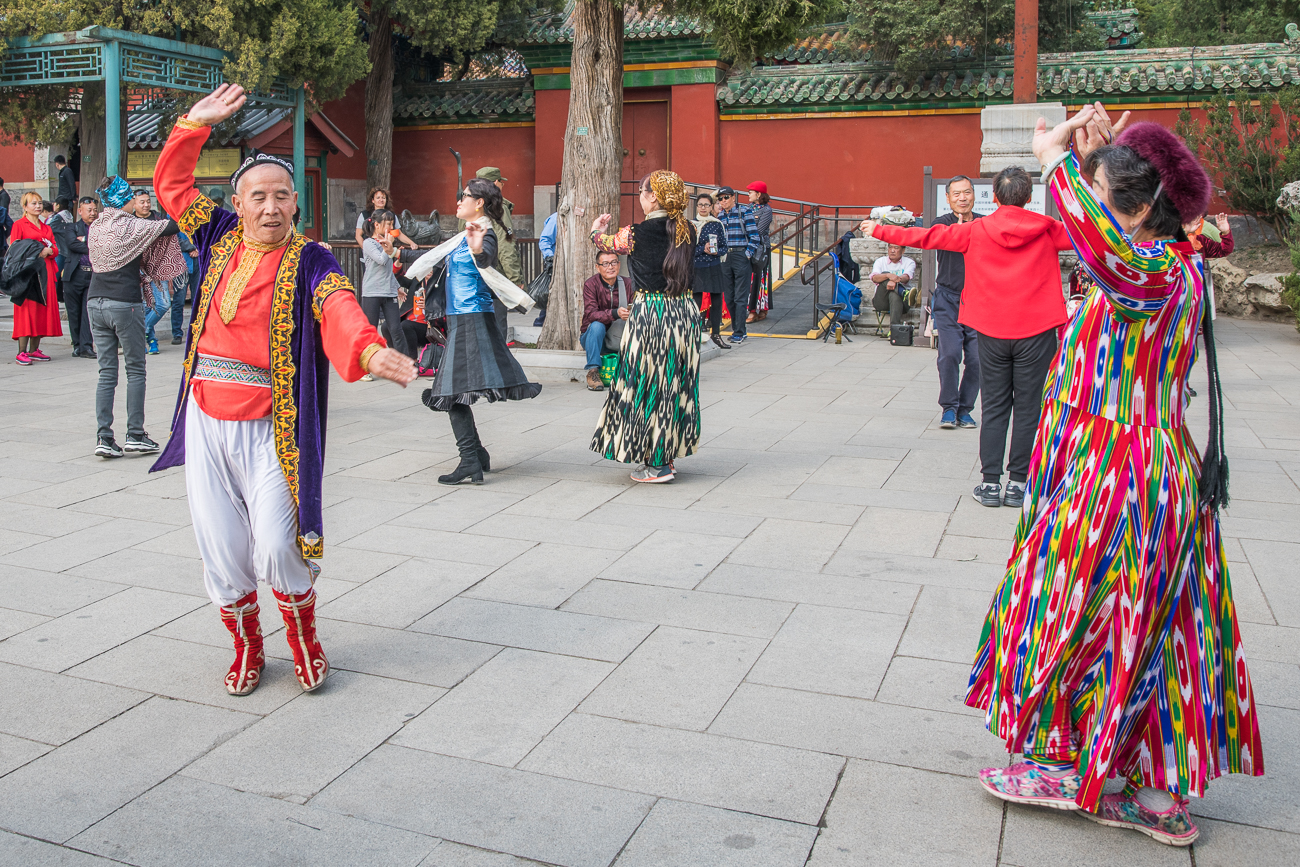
214, 368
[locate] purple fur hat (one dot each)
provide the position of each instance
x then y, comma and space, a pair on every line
1185, 181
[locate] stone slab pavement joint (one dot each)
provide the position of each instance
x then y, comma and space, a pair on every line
761, 664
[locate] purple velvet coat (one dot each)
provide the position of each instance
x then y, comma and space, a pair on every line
299, 369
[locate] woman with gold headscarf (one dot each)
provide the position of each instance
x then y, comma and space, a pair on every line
652, 413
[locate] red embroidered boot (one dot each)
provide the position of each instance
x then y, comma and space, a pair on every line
299, 613
241, 619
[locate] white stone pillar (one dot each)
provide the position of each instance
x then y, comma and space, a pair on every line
1009, 133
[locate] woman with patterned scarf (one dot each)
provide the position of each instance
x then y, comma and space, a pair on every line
129, 255
652, 414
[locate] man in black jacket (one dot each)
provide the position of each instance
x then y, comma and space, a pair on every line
957, 389
75, 274
67, 183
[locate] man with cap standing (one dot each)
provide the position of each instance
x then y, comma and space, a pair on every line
507, 255
742, 246
271, 312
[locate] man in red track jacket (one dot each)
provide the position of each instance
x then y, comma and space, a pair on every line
1013, 300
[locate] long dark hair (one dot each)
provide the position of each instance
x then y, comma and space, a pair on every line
679, 263
491, 196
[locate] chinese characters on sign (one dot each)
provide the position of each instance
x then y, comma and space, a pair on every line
984, 203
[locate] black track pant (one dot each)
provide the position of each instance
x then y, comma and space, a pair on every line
1012, 373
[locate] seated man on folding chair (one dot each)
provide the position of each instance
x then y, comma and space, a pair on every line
892, 273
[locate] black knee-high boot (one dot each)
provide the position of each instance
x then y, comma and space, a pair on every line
462, 425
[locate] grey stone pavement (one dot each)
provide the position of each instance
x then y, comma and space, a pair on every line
761, 664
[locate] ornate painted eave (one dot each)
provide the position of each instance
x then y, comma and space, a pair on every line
507, 100
1118, 25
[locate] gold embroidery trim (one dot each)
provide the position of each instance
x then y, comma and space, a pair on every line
184, 122
332, 282
198, 214
219, 256
253, 253
367, 354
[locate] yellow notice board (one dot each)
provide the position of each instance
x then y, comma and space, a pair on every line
214, 163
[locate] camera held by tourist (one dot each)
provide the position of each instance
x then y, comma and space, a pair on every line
710, 251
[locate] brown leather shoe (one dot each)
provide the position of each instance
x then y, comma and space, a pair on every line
593, 380
750, 318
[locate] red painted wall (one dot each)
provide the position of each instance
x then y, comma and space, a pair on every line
694, 131
850, 160
551, 110
16, 163
424, 172
349, 114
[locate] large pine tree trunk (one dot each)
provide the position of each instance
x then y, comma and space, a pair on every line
379, 98
593, 161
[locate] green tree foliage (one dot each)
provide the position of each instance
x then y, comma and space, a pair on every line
744, 30
914, 34
312, 41
1251, 145
1169, 23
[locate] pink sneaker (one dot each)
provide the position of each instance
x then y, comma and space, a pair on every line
1173, 827
23, 359
1023, 783
37, 355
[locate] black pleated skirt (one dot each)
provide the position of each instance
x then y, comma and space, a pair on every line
708, 280
477, 364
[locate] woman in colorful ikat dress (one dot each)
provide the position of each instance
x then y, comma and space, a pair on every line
1111, 648
652, 413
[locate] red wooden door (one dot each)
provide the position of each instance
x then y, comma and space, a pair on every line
645, 149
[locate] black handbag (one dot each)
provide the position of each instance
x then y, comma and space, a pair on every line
431, 356
540, 289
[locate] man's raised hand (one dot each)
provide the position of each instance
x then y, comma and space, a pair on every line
221, 104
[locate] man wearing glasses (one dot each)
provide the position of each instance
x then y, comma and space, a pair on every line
600, 307
742, 235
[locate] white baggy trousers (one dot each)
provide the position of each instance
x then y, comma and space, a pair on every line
245, 520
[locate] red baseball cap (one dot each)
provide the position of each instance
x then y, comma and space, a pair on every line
758, 187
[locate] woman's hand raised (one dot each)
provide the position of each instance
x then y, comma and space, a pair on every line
601, 223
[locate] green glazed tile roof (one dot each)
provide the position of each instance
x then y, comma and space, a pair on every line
650, 24
1169, 73
467, 101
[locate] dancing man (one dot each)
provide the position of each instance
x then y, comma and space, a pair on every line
270, 310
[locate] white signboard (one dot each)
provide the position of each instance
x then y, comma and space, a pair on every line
984, 204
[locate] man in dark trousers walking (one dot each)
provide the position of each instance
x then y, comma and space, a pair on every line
67, 182
76, 273
957, 388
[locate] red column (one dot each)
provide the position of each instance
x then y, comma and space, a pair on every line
1026, 81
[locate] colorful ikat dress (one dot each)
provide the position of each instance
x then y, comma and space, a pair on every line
1113, 641
652, 412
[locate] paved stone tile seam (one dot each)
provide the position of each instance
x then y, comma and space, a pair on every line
902, 632
793, 605
822, 822
1262, 591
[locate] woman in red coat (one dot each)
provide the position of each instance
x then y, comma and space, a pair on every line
33, 320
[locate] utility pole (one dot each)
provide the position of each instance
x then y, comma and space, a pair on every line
1025, 87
